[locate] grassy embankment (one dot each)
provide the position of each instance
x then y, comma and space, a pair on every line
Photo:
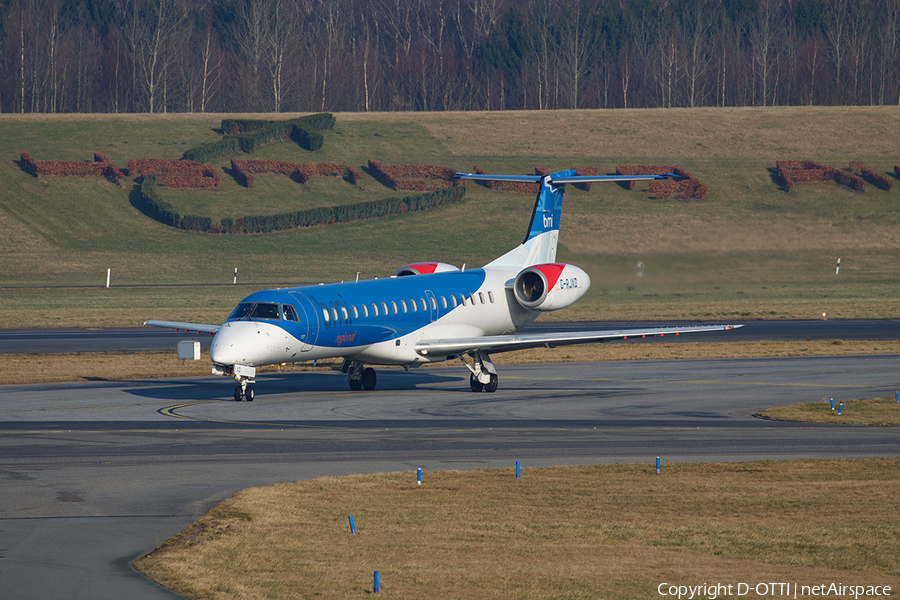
749, 250
605, 531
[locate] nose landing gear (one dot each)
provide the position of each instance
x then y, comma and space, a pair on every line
244, 391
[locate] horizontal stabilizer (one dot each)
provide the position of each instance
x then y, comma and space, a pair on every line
563, 177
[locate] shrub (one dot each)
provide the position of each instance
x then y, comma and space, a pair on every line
806, 171
688, 187
246, 135
100, 167
413, 177
175, 173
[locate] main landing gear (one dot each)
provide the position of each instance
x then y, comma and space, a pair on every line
359, 376
484, 376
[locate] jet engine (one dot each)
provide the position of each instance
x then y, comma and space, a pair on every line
550, 286
423, 268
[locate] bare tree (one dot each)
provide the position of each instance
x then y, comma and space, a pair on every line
762, 39
155, 27
695, 25
836, 32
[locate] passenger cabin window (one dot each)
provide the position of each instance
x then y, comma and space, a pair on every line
344, 312
355, 312
325, 314
453, 299
403, 305
365, 311
491, 297
289, 312
334, 312
384, 308
374, 310
394, 306
443, 302
425, 306
462, 299
413, 304
472, 299
481, 297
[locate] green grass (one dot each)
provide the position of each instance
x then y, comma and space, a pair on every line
604, 531
749, 250
868, 411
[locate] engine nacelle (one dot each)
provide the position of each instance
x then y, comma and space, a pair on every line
424, 268
550, 286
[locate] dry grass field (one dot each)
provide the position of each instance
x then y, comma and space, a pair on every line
605, 531
118, 366
748, 250
866, 411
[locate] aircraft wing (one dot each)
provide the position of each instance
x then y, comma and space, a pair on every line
198, 327
507, 343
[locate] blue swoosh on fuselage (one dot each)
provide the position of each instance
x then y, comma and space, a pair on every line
363, 331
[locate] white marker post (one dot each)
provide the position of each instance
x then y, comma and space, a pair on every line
837, 268
235, 276
108, 275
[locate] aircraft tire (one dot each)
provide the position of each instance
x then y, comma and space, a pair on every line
250, 394
369, 378
491, 387
355, 384
238, 393
474, 384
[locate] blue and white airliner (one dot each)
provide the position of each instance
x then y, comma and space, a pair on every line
426, 312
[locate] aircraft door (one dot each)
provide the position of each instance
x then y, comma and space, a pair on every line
312, 320
432, 305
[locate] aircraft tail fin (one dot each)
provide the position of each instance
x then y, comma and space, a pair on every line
543, 231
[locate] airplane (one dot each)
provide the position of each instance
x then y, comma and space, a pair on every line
426, 312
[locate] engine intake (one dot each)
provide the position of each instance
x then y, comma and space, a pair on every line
550, 286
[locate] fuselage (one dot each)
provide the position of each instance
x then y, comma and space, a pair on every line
375, 321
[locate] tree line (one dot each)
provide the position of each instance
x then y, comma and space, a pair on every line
434, 55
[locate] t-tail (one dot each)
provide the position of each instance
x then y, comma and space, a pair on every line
542, 238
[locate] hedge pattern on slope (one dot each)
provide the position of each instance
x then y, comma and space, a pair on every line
413, 177
250, 134
532, 188
876, 179
326, 215
688, 187
100, 167
175, 173
155, 207
151, 204
245, 170
807, 171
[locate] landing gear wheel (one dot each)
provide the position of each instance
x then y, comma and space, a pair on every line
355, 384
491, 387
368, 379
238, 393
249, 395
476, 385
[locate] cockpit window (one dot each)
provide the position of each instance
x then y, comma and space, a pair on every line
266, 310
241, 311
290, 314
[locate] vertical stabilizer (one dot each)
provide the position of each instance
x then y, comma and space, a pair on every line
543, 231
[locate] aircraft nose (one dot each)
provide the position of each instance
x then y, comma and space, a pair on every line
225, 345
250, 343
